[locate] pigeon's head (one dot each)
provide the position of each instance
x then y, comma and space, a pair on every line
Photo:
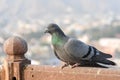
53, 28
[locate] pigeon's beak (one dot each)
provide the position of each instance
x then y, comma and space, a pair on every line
46, 31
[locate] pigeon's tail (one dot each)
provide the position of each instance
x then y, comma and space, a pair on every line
101, 61
107, 62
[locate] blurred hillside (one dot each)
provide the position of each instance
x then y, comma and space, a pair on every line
28, 10
96, 22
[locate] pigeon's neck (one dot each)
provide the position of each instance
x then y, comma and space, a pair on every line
58, 39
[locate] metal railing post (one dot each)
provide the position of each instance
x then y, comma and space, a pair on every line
15, 48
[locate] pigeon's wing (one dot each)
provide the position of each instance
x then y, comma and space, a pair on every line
102, 58
105, 55
102, 54
75, 48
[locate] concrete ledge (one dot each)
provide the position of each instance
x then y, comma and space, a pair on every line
32, 72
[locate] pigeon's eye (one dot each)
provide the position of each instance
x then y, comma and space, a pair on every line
53, 29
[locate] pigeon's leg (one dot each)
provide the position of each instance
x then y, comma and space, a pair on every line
65, 65
75, 65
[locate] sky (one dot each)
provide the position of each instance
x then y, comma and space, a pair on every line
35, 8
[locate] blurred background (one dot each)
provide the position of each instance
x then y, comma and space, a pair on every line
95, 22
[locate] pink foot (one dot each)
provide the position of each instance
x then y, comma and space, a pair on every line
65, 65
75, 65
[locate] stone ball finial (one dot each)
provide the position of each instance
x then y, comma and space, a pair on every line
15, 46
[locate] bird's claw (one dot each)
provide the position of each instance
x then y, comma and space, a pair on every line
65, 65
75, 65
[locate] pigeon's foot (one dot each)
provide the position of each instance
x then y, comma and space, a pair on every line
75, 65
65, 65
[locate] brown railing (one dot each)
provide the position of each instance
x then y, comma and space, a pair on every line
17, 67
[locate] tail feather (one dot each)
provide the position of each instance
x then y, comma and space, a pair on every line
103, 60
108, 62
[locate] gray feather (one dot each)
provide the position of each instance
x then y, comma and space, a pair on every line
77, 49
72, 50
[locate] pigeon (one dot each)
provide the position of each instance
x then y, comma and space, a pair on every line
74, 52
